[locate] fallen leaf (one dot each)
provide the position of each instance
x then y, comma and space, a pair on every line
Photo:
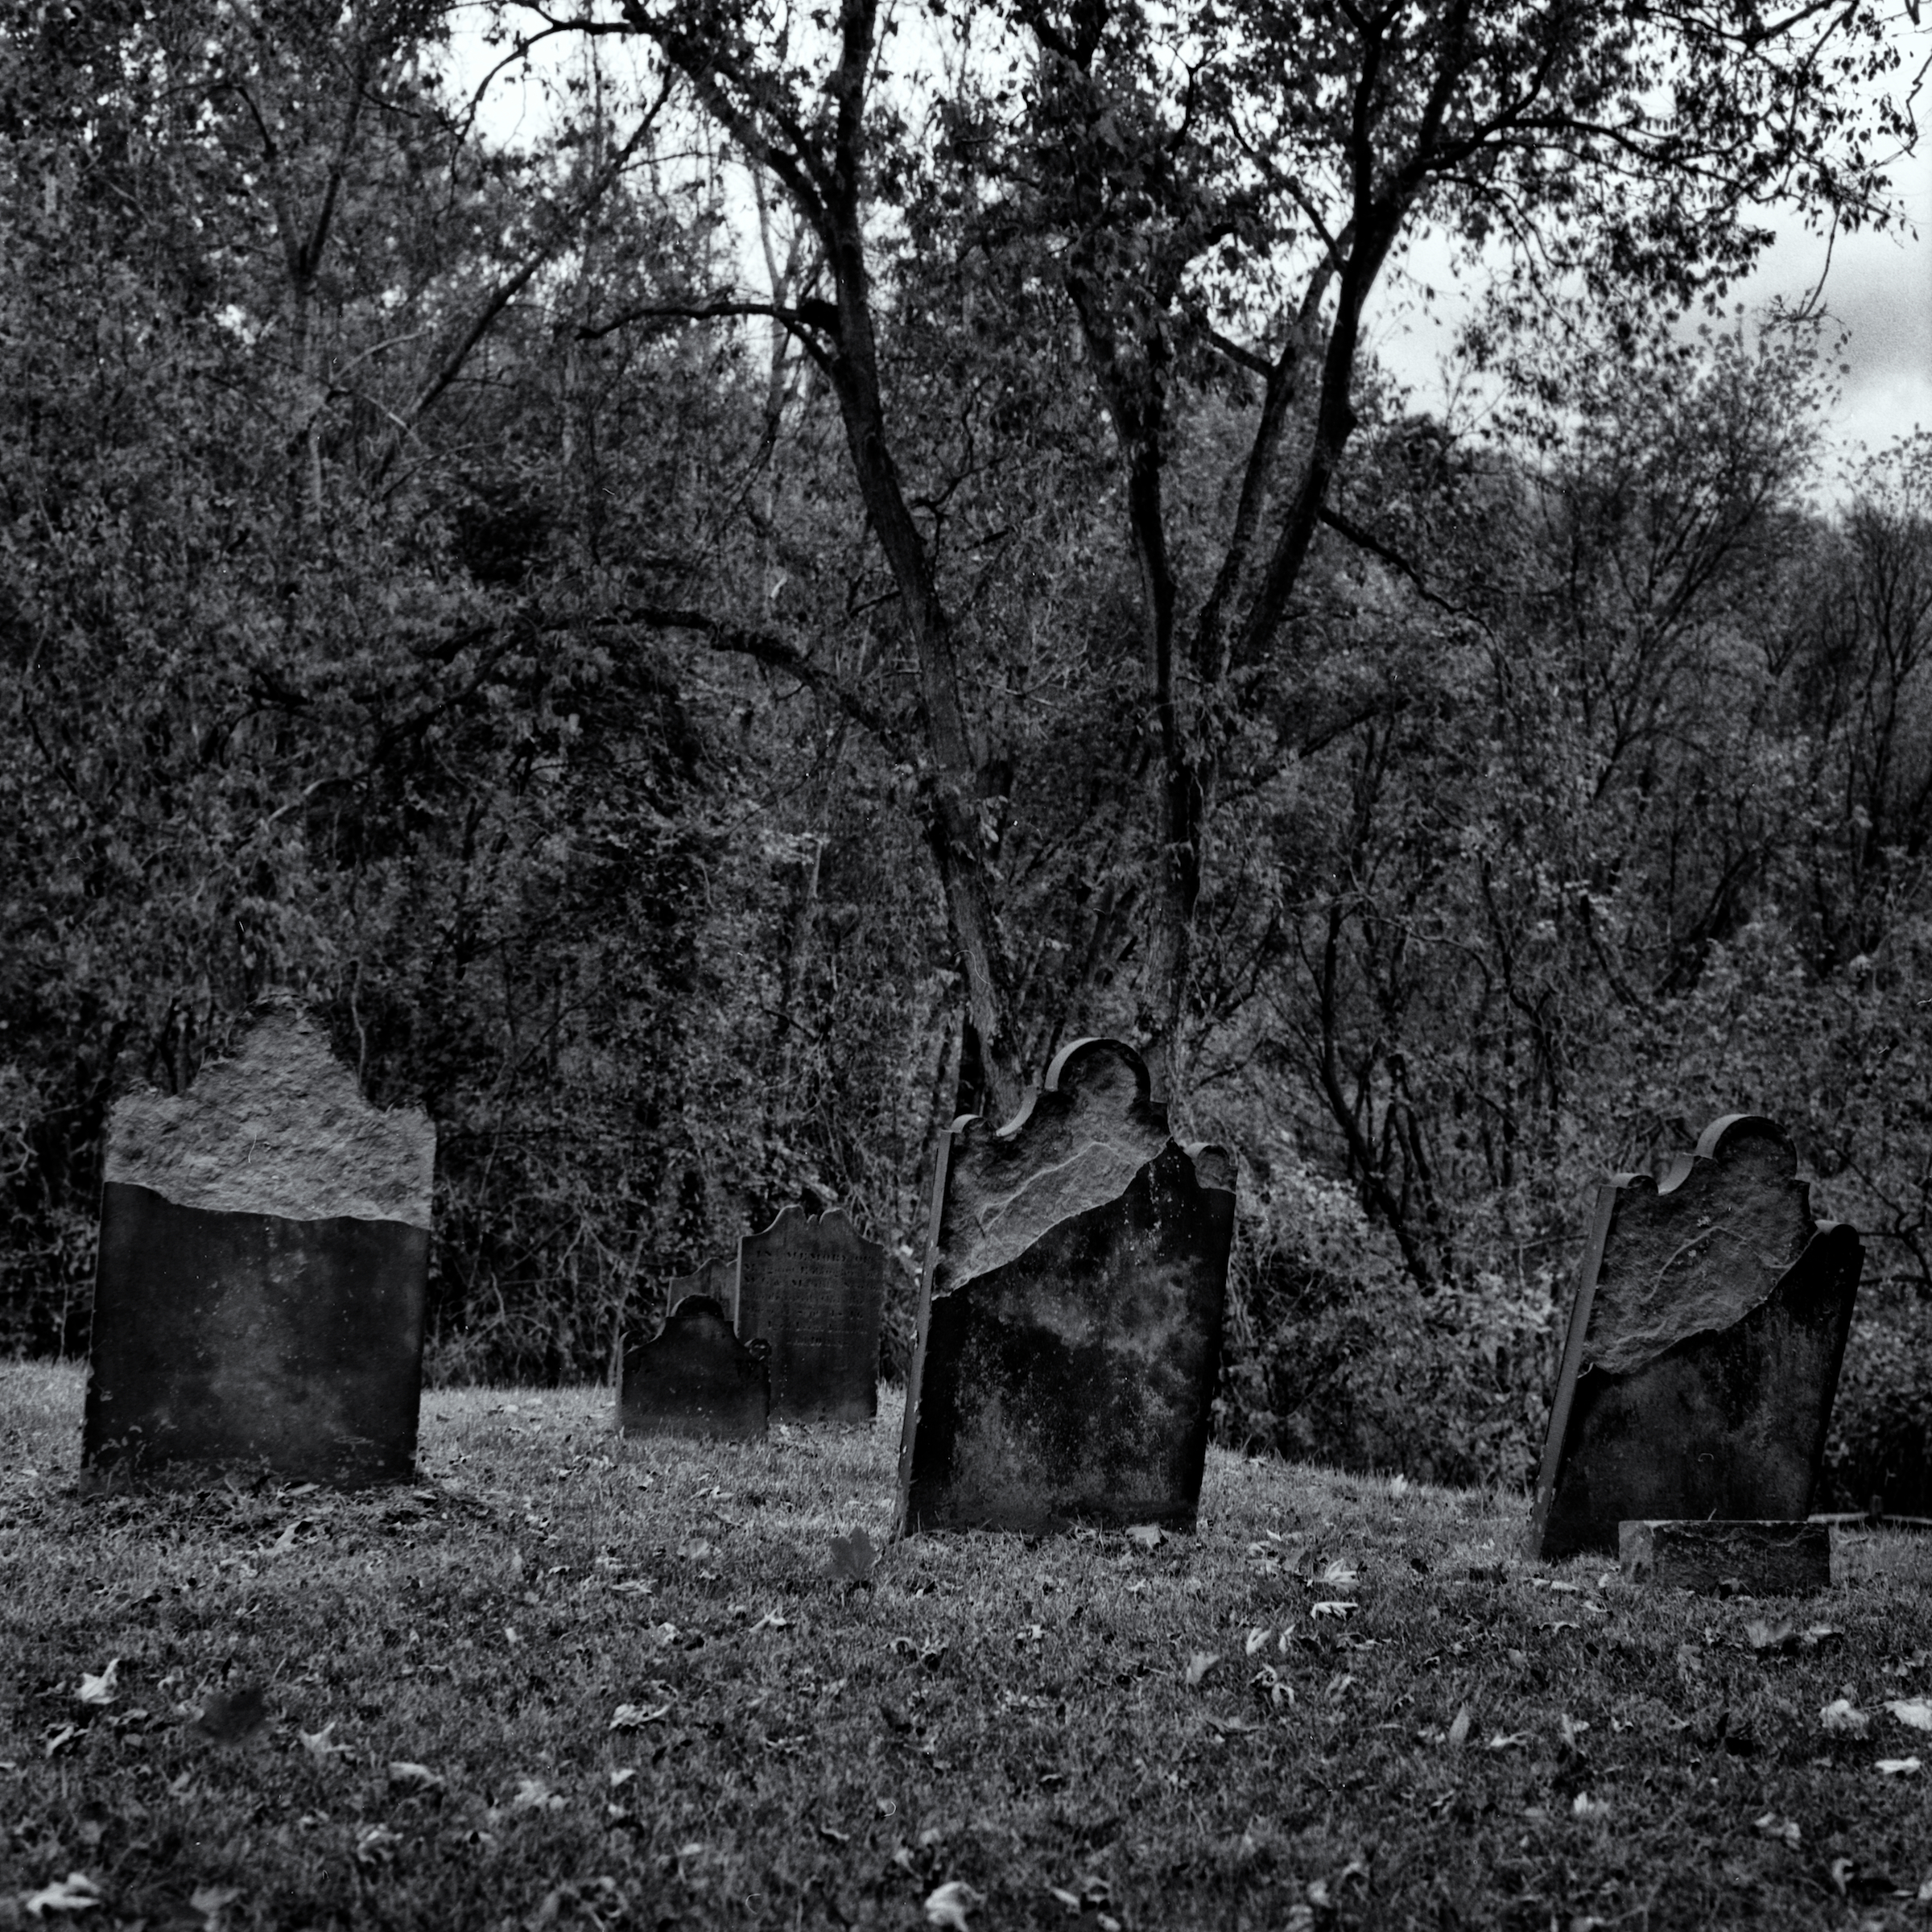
413, 1777
376, 1845
532, 1794
696, 1551
99, 1689
211, 1900
1916, 1712
853, 1558
1772, 1825
1899, 1767
1820, 1636
1842, 1718
1925, 1892
634, 1717
230, 1716
771, 1620
1779, 1638
76, 1893
1339, 1572
1584, 1805
1839, 1872
837, 1836
1510, 1740
1199, 1664
322, 1745
1070, 1900
947, 1904
1257, 1640
1231, 1727
59, 1739
1147, 1535
1279, 1690
1332, 1607
1458, 1731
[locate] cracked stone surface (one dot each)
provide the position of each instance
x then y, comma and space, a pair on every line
258, 1296
282, 1129
1070, 1329
1713, 1311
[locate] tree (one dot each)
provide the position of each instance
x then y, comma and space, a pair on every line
1216, 196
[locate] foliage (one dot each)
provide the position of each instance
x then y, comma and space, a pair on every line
695, 726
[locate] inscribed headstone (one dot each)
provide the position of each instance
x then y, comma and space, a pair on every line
696, 1378
264, 1252
814, 1288
1704, 1347
1070, 1314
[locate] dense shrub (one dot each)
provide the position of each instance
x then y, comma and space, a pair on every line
1333, 1354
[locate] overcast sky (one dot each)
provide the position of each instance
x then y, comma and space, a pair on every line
1878, 287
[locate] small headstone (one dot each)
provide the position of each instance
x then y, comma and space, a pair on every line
1070, 1316
1733, 1558
814, 1288
1704, 1347
264, 1252
716, 1276
696, 1378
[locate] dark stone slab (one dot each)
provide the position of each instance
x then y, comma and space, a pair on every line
1070, 1316
1739, 1558
259, 1291
716, 1276
696, 1378
814, 1288
255, 1340
1704, 1347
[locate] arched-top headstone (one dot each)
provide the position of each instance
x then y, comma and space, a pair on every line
264, 1249
1070, 1313
694, 1377
1703, 1347
814, 1288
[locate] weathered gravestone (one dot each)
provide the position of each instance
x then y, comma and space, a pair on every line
814, 1288
696, 1378
1070, 1314
264, 1248
1704, 1347
716, 1276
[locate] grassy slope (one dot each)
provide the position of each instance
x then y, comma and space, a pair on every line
1011, 1715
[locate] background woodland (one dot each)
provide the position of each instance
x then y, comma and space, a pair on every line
708, 631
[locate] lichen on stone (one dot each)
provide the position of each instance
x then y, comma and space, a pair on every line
282, 1129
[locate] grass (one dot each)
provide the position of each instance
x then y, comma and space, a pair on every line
1014, 1716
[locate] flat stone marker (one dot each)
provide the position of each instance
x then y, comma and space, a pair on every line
814, 1287
264, 1253
694, 1377
1751, 1559
1704, 1347
1069, 1312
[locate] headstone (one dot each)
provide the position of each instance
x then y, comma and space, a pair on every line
264, 1252
696, 1378
1704, 1347
1070, 1314
1713, 1556
814, 1288
716, 1276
